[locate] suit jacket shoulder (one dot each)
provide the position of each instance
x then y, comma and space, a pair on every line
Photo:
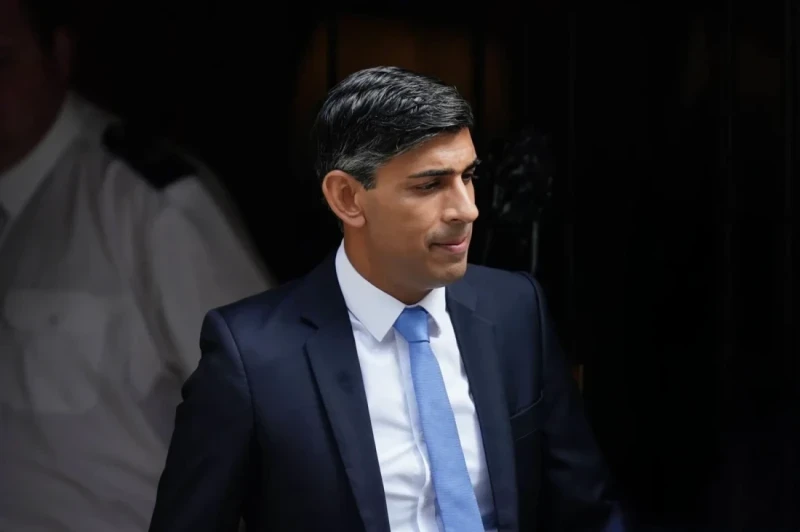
504, 296
257, 308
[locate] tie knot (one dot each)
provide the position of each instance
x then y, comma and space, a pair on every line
412, 324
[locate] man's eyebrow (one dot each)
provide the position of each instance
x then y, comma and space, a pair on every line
443, 172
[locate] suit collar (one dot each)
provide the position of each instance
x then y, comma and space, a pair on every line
319, 299
462, 292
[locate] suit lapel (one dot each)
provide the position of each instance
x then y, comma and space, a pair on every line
475, 337
334, 361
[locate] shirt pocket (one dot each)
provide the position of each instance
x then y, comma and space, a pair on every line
53, 348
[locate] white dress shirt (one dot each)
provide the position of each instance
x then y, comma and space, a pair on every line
104, 282
384, 359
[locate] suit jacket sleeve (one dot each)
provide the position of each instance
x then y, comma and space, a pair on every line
202, 487
576, 492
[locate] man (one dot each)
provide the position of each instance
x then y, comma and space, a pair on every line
394, 388
106, 274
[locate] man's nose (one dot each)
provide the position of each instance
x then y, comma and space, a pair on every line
461, 204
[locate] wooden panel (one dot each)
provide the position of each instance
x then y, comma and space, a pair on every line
311, 84
442, 50
437, 50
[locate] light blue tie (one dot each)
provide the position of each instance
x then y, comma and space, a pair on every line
458, 507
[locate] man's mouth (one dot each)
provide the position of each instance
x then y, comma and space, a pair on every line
454, 245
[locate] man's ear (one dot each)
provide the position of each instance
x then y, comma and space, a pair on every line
341, 191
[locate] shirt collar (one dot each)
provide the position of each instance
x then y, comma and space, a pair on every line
19, 183
376, 309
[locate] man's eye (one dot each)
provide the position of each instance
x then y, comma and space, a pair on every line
469, 177
430, 185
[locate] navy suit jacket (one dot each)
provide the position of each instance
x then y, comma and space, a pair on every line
274, 426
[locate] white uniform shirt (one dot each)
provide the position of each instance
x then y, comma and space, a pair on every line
104, 282
385, 366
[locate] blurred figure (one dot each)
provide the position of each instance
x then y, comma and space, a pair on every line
112, 248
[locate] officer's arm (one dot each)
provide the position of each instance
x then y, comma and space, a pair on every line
197, 262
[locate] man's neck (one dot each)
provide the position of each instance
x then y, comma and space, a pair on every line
19, 182
28, 142
359, 258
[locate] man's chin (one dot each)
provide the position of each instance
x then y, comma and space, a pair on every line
451, 273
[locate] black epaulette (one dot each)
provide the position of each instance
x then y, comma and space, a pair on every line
159, 165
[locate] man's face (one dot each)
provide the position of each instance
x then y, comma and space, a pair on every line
419, 215
32, 84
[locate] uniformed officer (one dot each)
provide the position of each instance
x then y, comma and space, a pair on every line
112, 249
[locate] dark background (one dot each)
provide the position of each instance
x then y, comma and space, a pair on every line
666, 250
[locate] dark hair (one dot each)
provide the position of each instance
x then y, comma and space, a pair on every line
376, 114
47, 16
